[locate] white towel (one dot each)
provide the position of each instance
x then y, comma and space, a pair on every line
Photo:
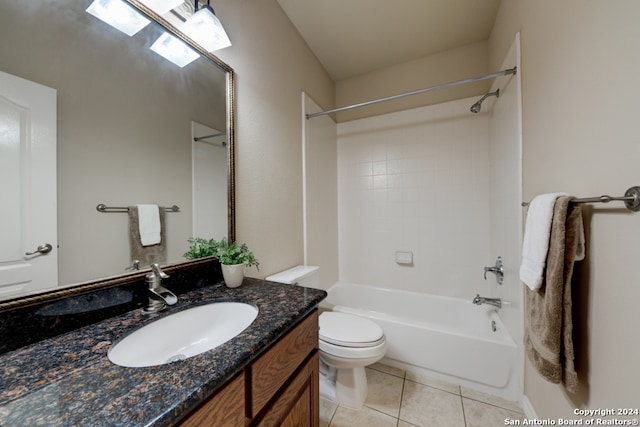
536, 239
149, 224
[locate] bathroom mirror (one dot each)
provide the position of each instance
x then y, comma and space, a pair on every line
125, 129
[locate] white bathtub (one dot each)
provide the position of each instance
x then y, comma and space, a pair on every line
447, 338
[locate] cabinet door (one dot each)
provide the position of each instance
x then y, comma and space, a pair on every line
273, 369
298, 405
300, 414
226, 408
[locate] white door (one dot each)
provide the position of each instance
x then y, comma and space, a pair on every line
28, 215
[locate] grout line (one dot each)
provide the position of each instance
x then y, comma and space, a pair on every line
379, 411
493, 404
334, 412
333, 415
400, 410
435, 387
388, 373
497, 405
464, 416
401, 398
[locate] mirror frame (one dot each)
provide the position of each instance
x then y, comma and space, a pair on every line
71, 290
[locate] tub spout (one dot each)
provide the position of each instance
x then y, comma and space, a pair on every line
496, 302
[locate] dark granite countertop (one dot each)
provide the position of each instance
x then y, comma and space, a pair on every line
68, 381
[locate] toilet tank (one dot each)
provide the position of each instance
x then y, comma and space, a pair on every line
303, 275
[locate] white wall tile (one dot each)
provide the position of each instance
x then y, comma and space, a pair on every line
417, 171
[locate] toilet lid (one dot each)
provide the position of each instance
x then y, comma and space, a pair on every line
349, 330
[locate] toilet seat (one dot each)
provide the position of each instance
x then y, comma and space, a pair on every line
362, 354
348, 330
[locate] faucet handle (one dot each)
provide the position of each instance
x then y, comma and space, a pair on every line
497, 269
135, 265
158, 272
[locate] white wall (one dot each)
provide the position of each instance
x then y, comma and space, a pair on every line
580, 95
443, 67
273, 66
416, 180
505, 147
320, 193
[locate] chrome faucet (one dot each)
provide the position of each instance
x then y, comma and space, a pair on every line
496, 302
497, 269
159, 296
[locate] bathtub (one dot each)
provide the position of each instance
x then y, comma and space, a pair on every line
446, 338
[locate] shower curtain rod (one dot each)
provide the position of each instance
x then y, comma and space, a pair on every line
416, 92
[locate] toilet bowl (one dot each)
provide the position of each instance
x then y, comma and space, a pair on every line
347, 344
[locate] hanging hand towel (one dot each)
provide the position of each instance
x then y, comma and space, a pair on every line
536, 239
151, 253
548, 335
149, 224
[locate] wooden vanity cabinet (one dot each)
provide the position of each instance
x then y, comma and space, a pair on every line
298, 404
279, 388
225, 408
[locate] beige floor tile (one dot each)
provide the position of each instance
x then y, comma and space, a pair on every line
385, 392
388, 369
427, 406
478, 414
404, 424
491, 399
365, 417
426, 380
327, 410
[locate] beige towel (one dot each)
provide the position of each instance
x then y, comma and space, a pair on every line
548, 311
147, 255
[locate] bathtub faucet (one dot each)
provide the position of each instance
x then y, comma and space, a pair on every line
496, 302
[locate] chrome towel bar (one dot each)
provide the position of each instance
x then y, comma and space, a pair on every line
631, 199
104, 208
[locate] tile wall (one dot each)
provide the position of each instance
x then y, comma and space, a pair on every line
417, 181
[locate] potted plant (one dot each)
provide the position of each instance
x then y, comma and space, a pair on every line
200, 248
234, 259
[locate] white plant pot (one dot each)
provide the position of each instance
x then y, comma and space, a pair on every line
233, 274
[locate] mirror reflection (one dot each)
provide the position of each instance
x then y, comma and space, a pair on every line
128, 127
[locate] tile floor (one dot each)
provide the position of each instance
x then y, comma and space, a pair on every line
397, 399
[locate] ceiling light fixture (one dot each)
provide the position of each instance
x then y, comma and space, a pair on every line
205, 28
162, 6
174, 49
119, 15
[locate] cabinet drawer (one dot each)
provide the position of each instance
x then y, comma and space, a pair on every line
272, 369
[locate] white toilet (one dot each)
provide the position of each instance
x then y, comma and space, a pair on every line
347, 344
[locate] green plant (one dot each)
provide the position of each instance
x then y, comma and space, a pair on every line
227, 253
200, 248
231, 253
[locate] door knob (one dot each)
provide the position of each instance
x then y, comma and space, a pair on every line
44, 248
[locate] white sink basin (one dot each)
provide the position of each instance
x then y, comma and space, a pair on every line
183, 334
